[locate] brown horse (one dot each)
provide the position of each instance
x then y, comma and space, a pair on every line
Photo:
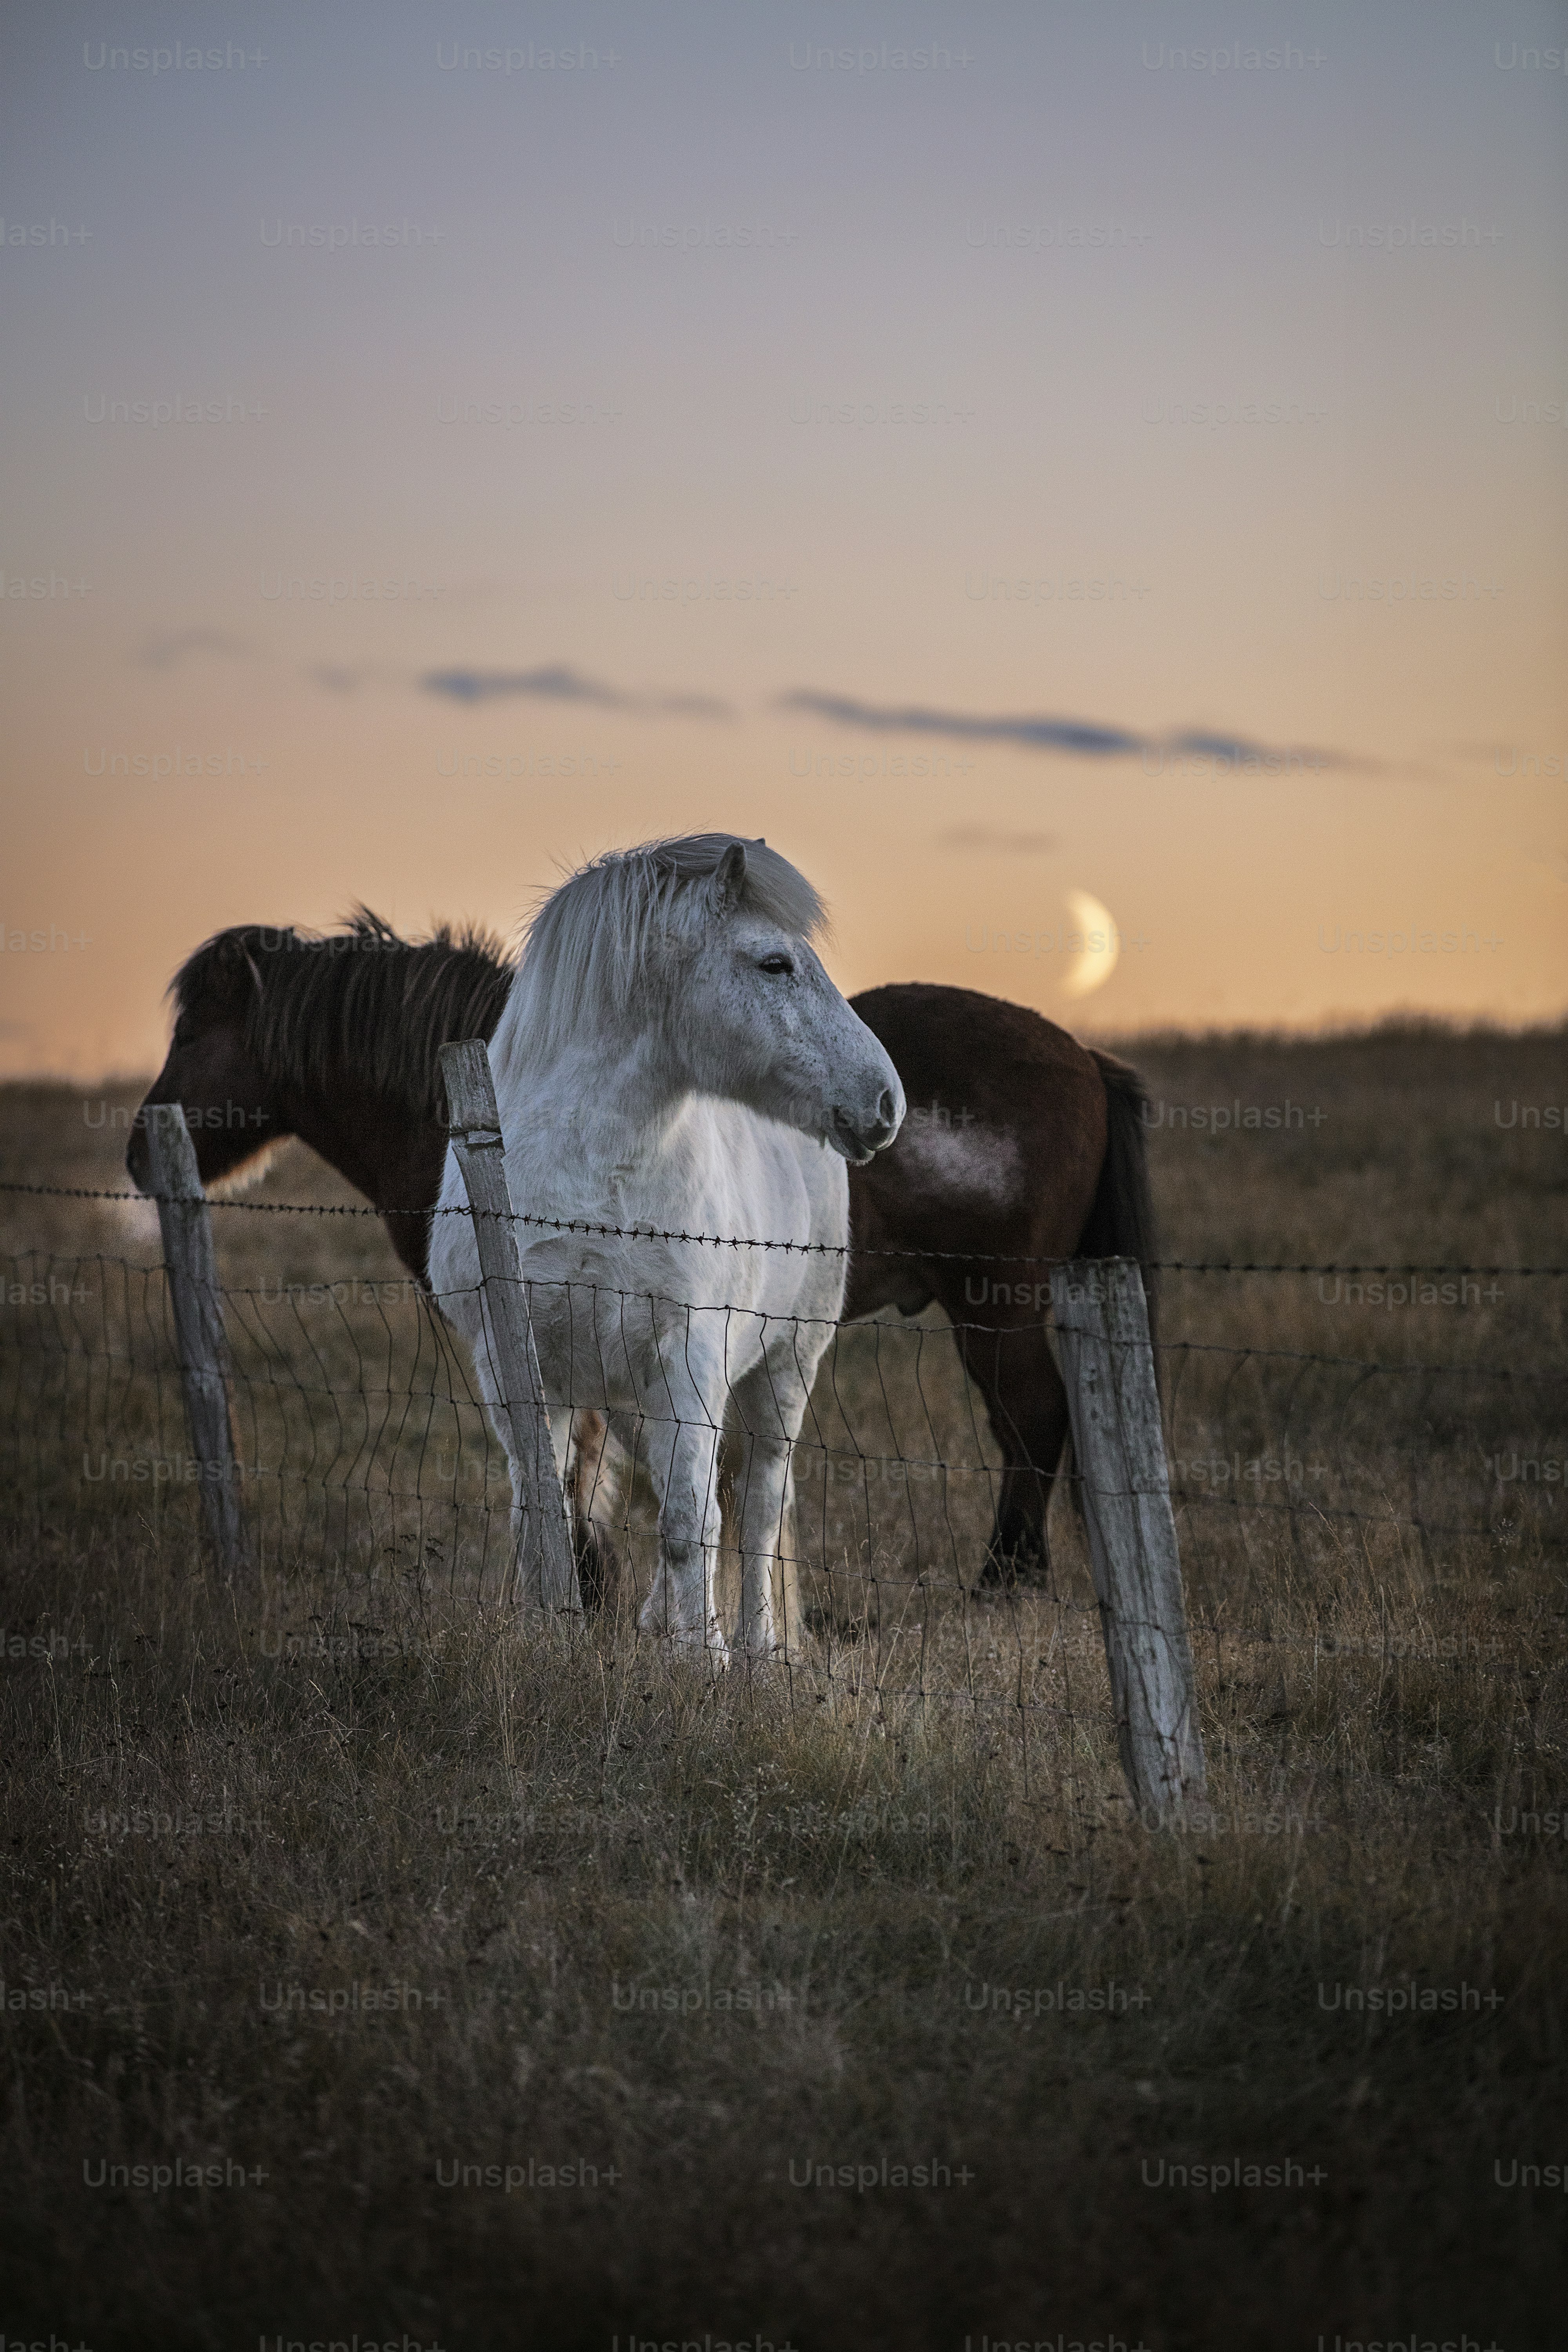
1020, 1145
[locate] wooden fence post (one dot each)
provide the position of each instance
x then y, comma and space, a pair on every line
206, 1369
549, 1571
1101, 1321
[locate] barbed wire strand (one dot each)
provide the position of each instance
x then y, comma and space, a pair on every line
739, 1242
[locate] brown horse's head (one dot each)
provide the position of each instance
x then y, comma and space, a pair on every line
233, 1110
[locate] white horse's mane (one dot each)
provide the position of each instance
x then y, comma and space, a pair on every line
587, 949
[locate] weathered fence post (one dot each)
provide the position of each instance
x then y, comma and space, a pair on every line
548, 1570
206, 1369
1108, 1362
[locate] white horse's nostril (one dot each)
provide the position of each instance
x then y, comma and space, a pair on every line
881, 1124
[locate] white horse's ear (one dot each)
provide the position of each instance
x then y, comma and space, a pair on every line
730, 878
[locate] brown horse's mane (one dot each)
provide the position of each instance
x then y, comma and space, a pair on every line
361, 996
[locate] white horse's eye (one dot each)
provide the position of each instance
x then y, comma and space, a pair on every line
781, 963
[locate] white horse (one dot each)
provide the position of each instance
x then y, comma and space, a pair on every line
674, 1059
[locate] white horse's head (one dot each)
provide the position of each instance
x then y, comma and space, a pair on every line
705, 945
762, 1022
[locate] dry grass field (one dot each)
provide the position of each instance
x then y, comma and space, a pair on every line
503, 1988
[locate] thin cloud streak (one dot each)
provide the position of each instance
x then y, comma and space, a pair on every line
1042, 734
557, 683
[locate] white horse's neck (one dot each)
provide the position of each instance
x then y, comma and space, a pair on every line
613, 1103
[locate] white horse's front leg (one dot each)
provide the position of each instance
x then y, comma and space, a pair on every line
764, 1488
768, 1403
682, 1604
683, 1461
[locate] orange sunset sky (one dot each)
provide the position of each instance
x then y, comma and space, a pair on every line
998, 453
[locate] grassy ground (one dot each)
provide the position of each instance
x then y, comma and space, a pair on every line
679, 1944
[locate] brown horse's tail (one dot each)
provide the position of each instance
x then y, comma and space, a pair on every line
1122, 1220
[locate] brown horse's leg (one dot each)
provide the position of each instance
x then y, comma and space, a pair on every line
1017, 1375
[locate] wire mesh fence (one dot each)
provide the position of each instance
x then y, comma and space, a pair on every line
357, 1428
364, 1447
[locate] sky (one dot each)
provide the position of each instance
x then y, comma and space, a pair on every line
1058, 471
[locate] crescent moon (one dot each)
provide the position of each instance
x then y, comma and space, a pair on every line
1096, 960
